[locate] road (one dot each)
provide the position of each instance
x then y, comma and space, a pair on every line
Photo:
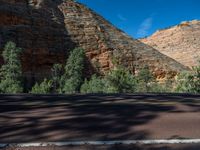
29, 118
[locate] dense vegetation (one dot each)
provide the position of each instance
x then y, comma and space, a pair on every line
189, 82
69, 78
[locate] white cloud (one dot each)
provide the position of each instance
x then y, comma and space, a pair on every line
121, 17
144, 27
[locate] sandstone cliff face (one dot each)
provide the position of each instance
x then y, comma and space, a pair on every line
48, 29
181, 42
39, 29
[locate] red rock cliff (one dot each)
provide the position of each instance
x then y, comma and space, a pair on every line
48, 29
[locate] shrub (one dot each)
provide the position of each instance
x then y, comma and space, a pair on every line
120, 80
144, 80
94, 85
166, 87
42, 88
189, 82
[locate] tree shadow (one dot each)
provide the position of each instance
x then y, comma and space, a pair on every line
79, 117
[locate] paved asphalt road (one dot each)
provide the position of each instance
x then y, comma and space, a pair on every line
28, 118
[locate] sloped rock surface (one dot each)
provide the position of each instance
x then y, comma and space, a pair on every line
180, 42
48, 29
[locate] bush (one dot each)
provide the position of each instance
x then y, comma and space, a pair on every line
94, 85
166, 87
42, 88
144, 80
189, 82
120, 80
194, 80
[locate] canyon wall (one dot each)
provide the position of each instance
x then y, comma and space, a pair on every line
180, 42
47, 30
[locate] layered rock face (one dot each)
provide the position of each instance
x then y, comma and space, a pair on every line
38, 28
48, 29
180, 42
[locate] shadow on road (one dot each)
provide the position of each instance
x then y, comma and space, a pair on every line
29, 118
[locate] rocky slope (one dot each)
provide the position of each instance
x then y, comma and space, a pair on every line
48, 29
180, 42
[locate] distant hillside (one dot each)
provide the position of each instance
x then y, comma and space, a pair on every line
180, 42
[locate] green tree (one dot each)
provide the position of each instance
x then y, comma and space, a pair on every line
144, 79
73, 72
69, 79
42, 88
94, 85
189, 82
120, 80
182, 82
56, 77
194, 80
10, 72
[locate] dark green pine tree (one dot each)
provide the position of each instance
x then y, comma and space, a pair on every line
73, 74
11, 72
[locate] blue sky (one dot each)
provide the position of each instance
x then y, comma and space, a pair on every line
140, 18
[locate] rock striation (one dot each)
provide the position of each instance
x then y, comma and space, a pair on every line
48, 29
180, 42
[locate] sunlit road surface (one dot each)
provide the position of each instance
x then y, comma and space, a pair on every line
51, 118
